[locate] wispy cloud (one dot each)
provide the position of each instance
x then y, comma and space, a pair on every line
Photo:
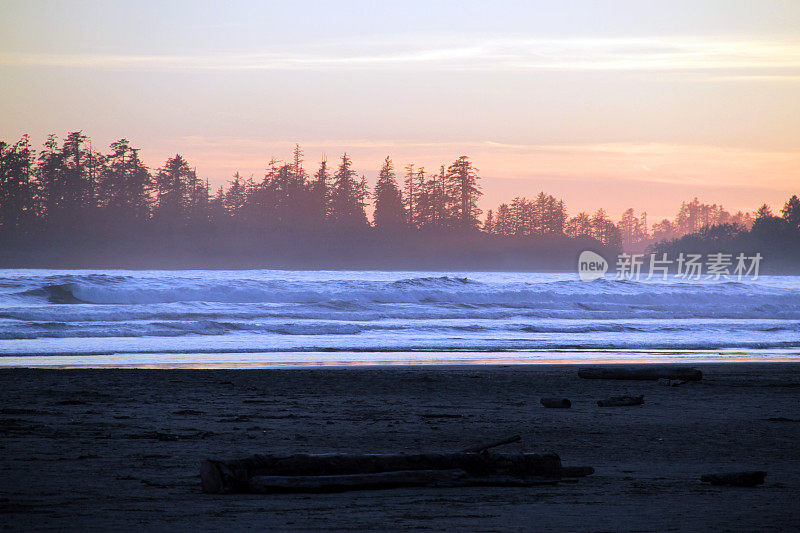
738, 59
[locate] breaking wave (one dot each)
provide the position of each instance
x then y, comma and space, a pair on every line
275, 310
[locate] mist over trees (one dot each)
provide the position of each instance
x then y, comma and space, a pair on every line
72, 186
74, 199
776, 238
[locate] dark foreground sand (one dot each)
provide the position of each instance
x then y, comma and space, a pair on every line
100, 449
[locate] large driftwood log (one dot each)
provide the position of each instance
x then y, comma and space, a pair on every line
235, 476
736, 479
343, 482
645, 373
387, 480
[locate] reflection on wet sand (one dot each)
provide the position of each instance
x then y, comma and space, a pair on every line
347, 359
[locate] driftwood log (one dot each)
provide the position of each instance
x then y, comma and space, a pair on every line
556, 403
343, 482
645, 373
736, 479
325, 473
388, 480
621, 401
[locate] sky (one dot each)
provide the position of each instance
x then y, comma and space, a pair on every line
611, 104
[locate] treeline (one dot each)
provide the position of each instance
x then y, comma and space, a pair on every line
70, 193
546, 215
72, 186
775, 237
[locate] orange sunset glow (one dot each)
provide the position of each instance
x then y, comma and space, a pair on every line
613, 105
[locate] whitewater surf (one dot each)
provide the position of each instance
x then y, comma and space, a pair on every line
86, 313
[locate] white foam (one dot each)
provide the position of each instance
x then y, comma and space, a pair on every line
47, 311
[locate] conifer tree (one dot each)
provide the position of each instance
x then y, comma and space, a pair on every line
50, 178
424, 206
320, 194
235, 197
66, 180
439, 199
348, 195
488, 224
124, 184
463, 180
578, 226
389, 212
411, 196
172, 183
503, 224
17, 188
791, 212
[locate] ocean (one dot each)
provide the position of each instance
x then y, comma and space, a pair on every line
271, 318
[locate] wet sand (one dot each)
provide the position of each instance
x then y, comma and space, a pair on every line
100, 449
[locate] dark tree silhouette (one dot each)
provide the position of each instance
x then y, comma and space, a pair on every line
199, 196
172, 184
286, 193
791, 212
774, 238
71, 196
389, 212
348, 195
604, 230
17, 188
411, 196
504, 223
579, 226
124, 184
426, 197
436, 207
66, 179
488, 224
320, 195
463, 182
763, 212
543, 216
234, 199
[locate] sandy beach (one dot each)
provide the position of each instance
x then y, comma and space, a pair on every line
100, 449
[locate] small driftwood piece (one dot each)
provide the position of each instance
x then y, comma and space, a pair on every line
556, 403
270, 473
736, 479
621, 401
645, 373
494, 444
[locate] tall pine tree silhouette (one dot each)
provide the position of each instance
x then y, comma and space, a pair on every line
347, 197
389, 212
463, 179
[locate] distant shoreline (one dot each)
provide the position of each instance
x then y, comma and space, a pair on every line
534, 261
